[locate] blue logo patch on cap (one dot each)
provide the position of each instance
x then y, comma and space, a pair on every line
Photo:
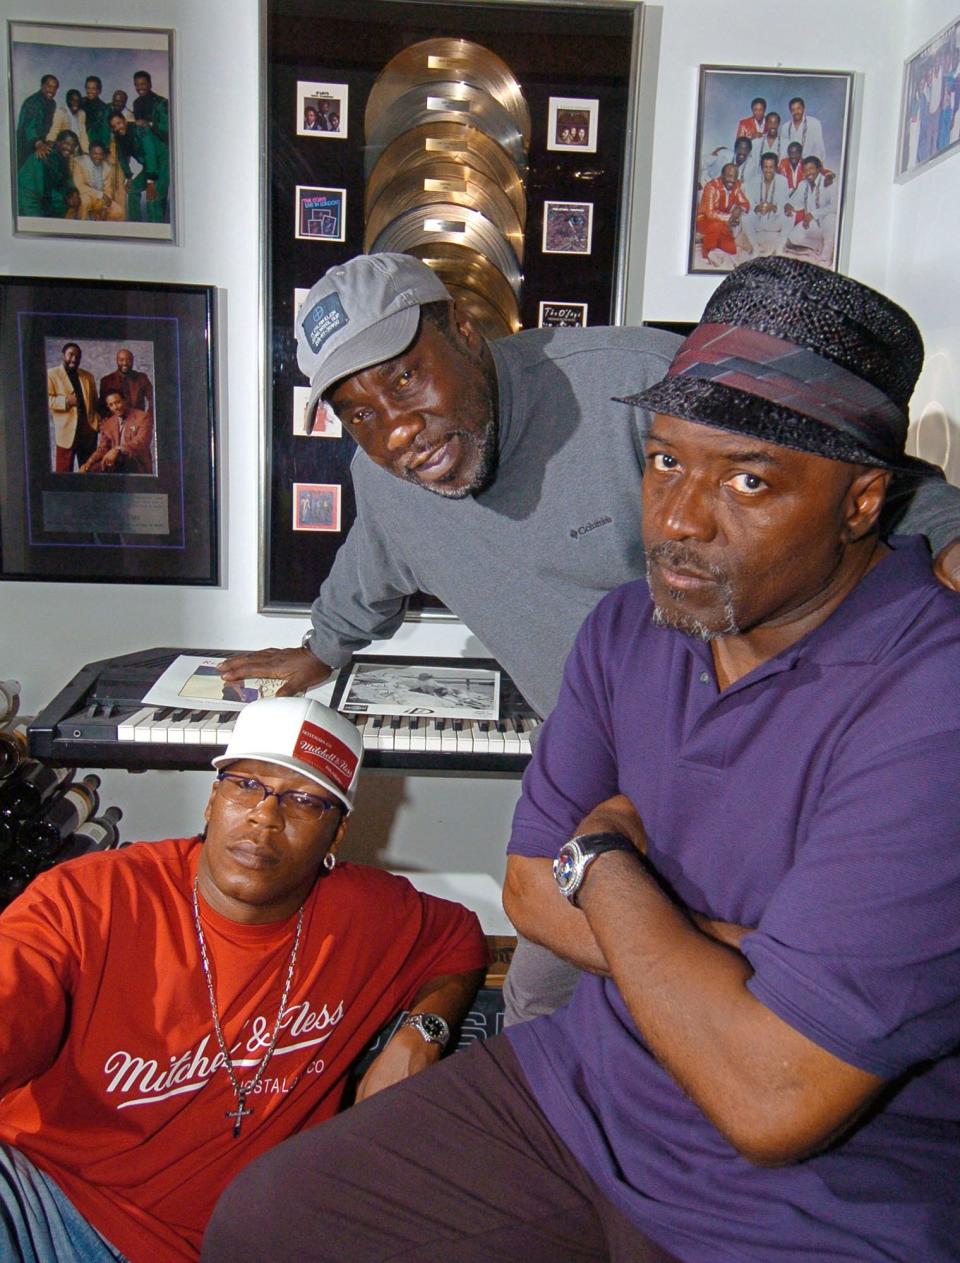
323, 320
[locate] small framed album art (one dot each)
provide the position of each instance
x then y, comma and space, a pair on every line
107, 432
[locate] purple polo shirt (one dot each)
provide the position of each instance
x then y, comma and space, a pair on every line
817, 799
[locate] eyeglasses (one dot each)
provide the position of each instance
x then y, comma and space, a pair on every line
247, 791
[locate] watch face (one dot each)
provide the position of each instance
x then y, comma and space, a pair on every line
433, 1026
565, 867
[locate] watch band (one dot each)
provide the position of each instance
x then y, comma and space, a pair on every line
431, 1026
576, 856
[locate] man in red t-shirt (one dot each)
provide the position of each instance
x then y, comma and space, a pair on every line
170, 1010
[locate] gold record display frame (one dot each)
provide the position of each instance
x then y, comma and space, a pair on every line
535, 54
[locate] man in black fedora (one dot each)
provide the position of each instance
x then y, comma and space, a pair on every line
740, 822
502, 476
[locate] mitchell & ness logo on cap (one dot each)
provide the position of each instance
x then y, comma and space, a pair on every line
328, 755
323, 320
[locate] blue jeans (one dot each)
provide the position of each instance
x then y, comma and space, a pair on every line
39, 1223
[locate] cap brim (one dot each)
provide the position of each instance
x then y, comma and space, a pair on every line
291, 765
723, 407
379, 342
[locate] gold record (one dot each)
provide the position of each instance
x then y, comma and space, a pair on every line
448, 224
490, 322
445, 102
445, 60
445, 182
462, 268
446, 142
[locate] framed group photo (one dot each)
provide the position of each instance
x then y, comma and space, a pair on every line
107, 432
90, 124
930, 104
769, 166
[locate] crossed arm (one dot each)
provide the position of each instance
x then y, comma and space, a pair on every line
774, 1094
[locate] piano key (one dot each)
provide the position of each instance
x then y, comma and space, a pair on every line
401, 733
448, 737
127, 731
464, 733
434, 735
418, 733
208, 728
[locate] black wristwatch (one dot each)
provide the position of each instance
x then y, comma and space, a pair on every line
431, 1026
576, 856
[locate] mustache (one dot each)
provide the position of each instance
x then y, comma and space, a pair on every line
679, 556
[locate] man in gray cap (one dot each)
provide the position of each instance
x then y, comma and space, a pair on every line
757, 752
534, 468
170, 1010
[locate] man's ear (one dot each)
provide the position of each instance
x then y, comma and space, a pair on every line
865, 498
462, 322
338, 836
208, 810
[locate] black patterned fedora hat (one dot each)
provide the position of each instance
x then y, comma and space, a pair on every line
802, 357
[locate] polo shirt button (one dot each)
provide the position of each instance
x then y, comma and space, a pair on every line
704, 677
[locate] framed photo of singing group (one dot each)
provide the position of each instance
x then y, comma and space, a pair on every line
770, 166
930, 103
90, 131
107, 432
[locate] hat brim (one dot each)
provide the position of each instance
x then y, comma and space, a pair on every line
291, 765
379, 342
724, 407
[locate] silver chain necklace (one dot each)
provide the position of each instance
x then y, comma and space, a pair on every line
241, 1112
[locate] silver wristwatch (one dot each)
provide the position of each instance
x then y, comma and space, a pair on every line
431, 1026
576, 856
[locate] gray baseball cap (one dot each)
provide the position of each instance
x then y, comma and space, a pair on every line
361, 313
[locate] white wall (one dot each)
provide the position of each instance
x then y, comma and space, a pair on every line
48, 631
923, 254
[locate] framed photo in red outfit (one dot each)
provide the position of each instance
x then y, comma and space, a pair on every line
770, 165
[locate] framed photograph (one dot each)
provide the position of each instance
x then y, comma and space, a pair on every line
107, 432
316, 506
322, 110
321, 214
326, 423
562, 316
572, 124
517, 67
770, 166
567, 227
91, 139
930, 103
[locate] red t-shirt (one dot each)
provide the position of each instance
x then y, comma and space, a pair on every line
105, 1021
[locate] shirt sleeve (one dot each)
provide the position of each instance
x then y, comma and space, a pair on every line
574, 765
923, 506
859, 946
38, 960
365, 595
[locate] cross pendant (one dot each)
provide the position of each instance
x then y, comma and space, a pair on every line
239, 1114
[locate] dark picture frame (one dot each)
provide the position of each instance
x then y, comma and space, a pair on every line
809, 223
108, 459
930, 104
584, 53
130, 193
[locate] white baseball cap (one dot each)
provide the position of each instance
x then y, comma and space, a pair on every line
361, 313
301, 735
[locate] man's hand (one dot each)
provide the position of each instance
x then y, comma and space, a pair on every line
946, 565
406, 1053
298, 668
151, 190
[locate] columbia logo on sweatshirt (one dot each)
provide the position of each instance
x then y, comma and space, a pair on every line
577, 532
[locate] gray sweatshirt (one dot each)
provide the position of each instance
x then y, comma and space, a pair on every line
524, 562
